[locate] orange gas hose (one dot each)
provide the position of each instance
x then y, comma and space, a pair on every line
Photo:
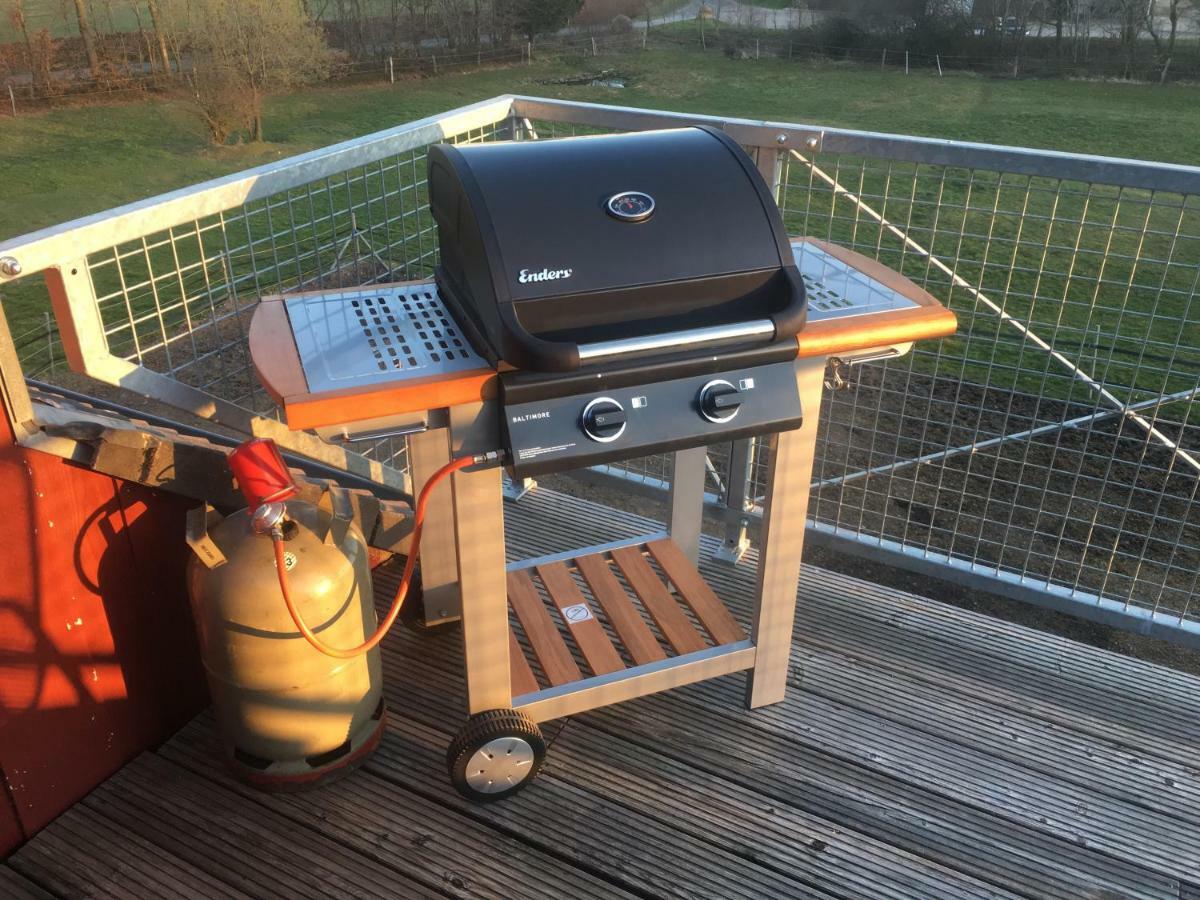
401, 592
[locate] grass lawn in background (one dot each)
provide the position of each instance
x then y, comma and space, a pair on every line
65, 163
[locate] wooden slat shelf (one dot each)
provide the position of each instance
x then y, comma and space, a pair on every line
628, 587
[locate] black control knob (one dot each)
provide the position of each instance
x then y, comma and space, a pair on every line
720, 401
603, 420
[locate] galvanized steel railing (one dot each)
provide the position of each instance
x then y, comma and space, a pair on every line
1049, 450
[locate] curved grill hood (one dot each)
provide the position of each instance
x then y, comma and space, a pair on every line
534, 263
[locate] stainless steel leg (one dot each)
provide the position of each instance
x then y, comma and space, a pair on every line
784, 513
428, 452
687, 500
479, 537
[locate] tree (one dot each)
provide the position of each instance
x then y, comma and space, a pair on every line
1131, 17
39, 49
156, 21
240, 50
1060, 11
85, 32
534, 17
1164, 48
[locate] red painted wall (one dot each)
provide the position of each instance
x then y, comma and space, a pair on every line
98, 659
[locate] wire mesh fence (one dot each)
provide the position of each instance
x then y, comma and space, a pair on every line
1055, 439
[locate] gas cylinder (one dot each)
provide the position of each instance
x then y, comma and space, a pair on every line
289, 715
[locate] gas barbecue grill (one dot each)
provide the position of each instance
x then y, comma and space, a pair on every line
598, 298
673, 308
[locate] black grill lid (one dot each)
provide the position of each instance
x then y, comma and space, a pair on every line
546, 245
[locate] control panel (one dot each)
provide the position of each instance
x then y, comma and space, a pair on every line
614, 423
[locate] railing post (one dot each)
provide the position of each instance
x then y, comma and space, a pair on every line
738, 500
739, 496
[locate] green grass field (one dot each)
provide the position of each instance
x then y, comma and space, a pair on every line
65, 163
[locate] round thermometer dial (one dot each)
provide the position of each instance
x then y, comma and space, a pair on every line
630, 206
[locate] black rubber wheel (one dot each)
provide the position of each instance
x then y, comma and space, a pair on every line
412, 613
495, 754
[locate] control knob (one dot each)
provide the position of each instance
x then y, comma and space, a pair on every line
720, 401
603, 420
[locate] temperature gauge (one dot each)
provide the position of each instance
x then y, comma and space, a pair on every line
630, 206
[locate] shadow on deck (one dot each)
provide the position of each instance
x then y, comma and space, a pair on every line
923, 751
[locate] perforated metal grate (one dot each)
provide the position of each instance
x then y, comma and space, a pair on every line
835, 289
359, 337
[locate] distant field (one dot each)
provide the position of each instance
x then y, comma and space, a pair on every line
59, 18
65, 163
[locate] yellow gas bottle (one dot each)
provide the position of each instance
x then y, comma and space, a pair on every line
289, 715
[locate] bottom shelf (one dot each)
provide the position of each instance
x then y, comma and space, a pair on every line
637, 618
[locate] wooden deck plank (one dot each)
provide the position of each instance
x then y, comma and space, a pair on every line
1049, 680
549, 647
720, 624
1152, 708
949, 832
657, 600
421, 839
631, 628
910, 759
15, 886
857, 860
81, 854
714, 809
594, 831
941, 766
734, 845
1097, 764
251, 848
601, 656
521, 676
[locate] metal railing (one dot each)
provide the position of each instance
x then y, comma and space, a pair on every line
1049, 450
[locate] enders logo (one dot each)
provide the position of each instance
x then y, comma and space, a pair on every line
526, 276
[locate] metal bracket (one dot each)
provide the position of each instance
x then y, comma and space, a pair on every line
837, 371
735, 544
403, 431
515, 489
837, 374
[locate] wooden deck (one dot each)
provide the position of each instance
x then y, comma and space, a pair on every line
922, 752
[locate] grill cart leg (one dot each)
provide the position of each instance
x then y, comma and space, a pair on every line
441, 599
784, 512
687, 500
479, 541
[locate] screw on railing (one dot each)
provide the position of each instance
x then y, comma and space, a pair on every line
9, 267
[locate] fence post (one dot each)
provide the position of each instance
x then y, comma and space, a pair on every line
391, 71
883, 62
529, 53
905, 62
645, 34
433, 56
757, 51
12, 99
938, 56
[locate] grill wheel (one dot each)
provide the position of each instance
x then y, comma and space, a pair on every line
495, 754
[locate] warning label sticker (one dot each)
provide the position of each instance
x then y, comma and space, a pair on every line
532, 452
580, 612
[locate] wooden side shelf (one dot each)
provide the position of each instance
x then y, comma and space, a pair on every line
615, 623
